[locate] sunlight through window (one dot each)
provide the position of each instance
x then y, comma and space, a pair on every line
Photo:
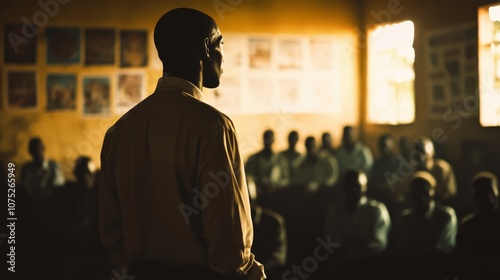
391, 95
489, 65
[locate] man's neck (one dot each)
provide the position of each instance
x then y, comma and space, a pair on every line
193, 75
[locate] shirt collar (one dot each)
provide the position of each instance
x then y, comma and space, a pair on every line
183, 85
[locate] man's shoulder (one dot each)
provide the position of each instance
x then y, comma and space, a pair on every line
445, 212
199, 112
375, 204
442, 164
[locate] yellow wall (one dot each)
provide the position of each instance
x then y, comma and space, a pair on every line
68, 134
428, 15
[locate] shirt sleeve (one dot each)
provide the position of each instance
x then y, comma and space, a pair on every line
110, 221
226, 218
381, 228
446, 240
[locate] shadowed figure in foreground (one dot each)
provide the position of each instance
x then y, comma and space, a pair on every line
478, 240
173, 201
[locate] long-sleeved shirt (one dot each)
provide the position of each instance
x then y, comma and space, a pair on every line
268, 172
363, 231
442, 171
359, 157
174, 188
322, 171
38, 179
432, 233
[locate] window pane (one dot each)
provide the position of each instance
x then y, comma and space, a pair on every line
390, 74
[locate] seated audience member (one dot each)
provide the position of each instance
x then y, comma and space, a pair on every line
379, 186
472, 160
270, 236
427, 228
441, 170
290, 155
422, 158
41, 175
360, 224
82, 205
353, 154
478, 240
39, 178
267, 169
327, 144
314, 171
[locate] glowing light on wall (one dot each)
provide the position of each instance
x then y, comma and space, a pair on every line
391, 95
489, 65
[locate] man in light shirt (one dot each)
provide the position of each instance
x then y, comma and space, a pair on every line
360, 224
352, 153
427, 228
315, 171
174, 202
267, 169
40, 176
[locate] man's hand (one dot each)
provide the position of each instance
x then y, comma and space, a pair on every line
256, 272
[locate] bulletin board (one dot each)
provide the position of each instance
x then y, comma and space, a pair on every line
451, 69
266, 73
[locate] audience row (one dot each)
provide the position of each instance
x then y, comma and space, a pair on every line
376, 212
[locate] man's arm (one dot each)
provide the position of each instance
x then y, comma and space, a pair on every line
446, 239
226, 219
280, 244
379, 239
110, 222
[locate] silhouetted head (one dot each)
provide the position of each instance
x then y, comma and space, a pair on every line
293, 138
36, 148
485, 190
422, 186
84, 171
348, 137
354, 186
268, 138
326, 140
386, 145
424, 148
185, 38
311, 148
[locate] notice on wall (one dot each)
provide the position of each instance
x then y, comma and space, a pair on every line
266, 73
451, 69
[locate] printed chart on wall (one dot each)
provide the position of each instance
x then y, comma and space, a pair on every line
451, 69
278, 73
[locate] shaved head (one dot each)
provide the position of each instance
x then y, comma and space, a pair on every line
180, 31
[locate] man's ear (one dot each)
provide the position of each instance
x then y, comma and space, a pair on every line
206, 43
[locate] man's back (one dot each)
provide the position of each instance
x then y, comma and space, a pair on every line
171, 161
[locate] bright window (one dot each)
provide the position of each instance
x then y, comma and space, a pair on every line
489, 65
391, 94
